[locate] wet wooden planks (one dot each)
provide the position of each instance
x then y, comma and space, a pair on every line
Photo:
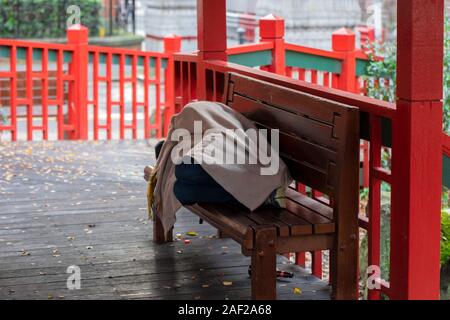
72, 203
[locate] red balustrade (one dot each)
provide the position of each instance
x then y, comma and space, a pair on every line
34, 80
98, 92
134, 68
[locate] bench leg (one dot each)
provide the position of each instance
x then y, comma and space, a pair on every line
344, 271
221, 235
158, 232
264, 265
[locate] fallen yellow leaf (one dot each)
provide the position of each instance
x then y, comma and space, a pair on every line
297, 291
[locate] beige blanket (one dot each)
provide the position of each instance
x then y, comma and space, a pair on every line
250, 183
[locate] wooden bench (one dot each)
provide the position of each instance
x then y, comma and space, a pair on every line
319, 142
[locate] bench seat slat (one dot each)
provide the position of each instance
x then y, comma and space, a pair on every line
297, 225
320, 223
262, 216
312, 204
296, 220
229, 220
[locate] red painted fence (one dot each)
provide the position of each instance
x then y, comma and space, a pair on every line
97, 92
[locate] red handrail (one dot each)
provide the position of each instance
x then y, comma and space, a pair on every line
247, 48
314, 51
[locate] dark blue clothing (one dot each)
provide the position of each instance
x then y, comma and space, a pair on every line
195, 185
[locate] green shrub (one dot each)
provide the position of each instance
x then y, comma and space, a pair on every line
445, 238
44, 18
386, 69
445, 256
447, 76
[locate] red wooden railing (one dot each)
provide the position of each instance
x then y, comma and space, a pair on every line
151, 66
25, 50
136, 96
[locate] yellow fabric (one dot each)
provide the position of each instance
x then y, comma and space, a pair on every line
150, 193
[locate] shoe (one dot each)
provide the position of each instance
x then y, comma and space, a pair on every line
277, 199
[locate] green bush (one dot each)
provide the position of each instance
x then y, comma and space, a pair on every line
447, 76
445, 238
445, 256
44, 18
386, 69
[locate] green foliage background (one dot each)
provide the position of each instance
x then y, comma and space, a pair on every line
445, 238
386, 69
44, 18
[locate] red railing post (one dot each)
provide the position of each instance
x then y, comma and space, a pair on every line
343, 40
77, 35
172, 44
365, 160
211, 39
417, 151
271, 29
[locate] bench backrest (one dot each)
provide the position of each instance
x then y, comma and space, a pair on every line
319, 138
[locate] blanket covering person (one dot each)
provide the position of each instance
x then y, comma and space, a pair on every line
243, 180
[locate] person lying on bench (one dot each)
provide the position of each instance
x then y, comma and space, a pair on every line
214, 154
194, 185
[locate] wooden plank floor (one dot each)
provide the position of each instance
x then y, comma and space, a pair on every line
83, 204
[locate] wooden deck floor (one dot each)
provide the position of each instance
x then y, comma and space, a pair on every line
83, 204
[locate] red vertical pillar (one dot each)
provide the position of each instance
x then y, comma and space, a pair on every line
343, 40
172, 44
77, 35
374, 231
366, 167
13, 92
417, 155
271, 29
211, 37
